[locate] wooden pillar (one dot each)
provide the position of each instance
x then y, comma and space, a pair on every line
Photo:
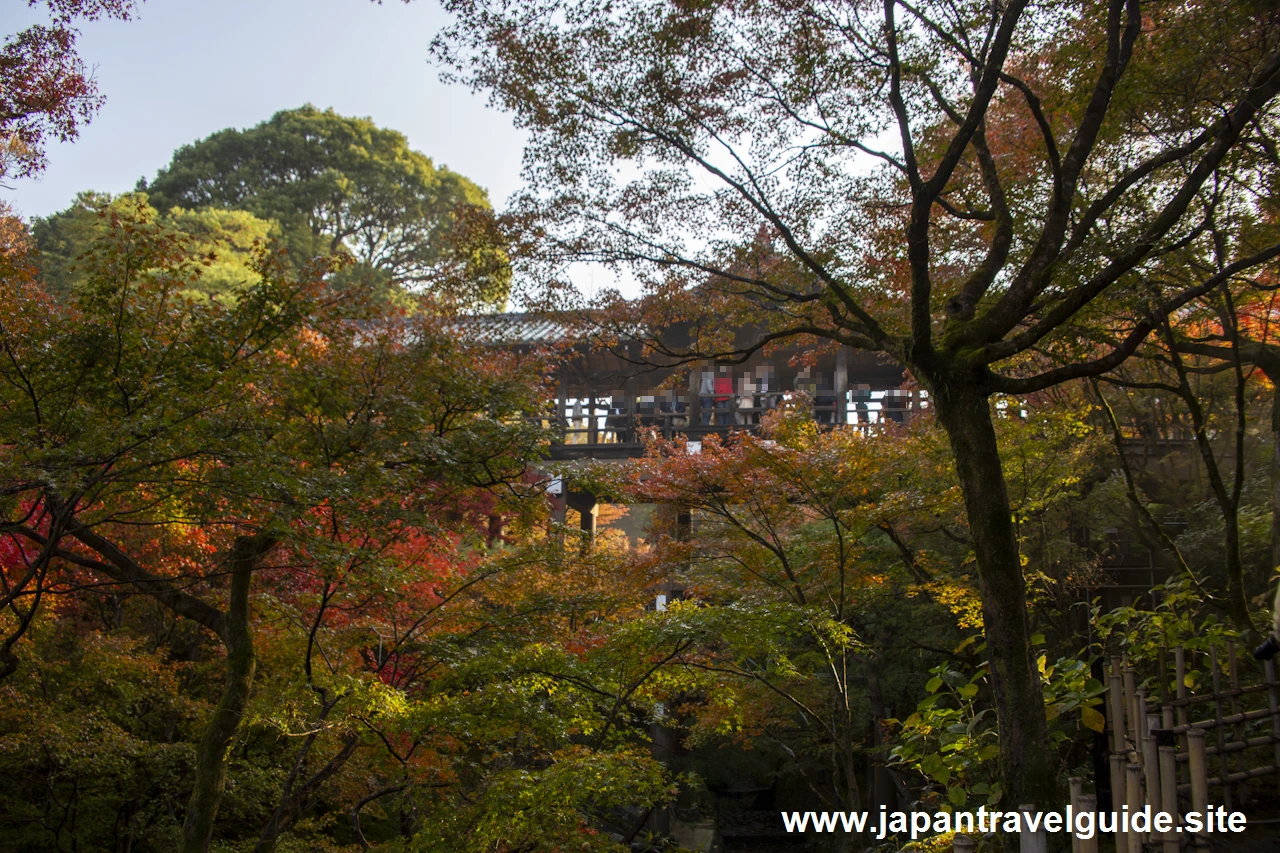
593, 428
588, 508
842, 385
695, 400
558, 423
631, 389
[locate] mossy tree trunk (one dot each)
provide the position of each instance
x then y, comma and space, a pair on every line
1026, 765
212, 754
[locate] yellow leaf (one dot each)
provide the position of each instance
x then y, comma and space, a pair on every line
1092, 719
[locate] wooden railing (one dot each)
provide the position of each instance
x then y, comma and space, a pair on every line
615, 423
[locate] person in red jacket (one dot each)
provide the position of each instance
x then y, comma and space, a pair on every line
723, 395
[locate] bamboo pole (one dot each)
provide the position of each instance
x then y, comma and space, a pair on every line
1273, 705
1118, 798
1131, 710
1169, 796
1223, 760
1151, 772
1076, 786
1031, 842
1162, 665
1133, 796
1233, 678
1239, 776
1235, 745
1226, 693
1242, 717
1089, 803
1180, 689
1116, 704
1199, 771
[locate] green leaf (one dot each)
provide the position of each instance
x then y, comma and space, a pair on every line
933, 684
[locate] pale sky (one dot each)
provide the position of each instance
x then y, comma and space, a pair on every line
186, 68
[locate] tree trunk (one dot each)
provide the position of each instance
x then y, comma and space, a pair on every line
1026, 766
215, 742
294, 800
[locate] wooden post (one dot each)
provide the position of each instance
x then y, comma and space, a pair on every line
1076, 785
1199, 768
1133, 796
1089, 803
1169, 795
962, 843
1031, 842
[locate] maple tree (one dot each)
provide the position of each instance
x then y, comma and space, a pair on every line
973, 189
175, 447
813, 562
46, 92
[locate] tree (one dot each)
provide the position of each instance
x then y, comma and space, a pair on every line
338, 184
228, 240
973, 189
267, 422
1208, 362
801, 554
821, 564
45, 90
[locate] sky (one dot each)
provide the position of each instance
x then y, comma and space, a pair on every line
183, 69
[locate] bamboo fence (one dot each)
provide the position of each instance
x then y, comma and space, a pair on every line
1179, 750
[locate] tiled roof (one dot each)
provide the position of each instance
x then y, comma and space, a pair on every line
516, 328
